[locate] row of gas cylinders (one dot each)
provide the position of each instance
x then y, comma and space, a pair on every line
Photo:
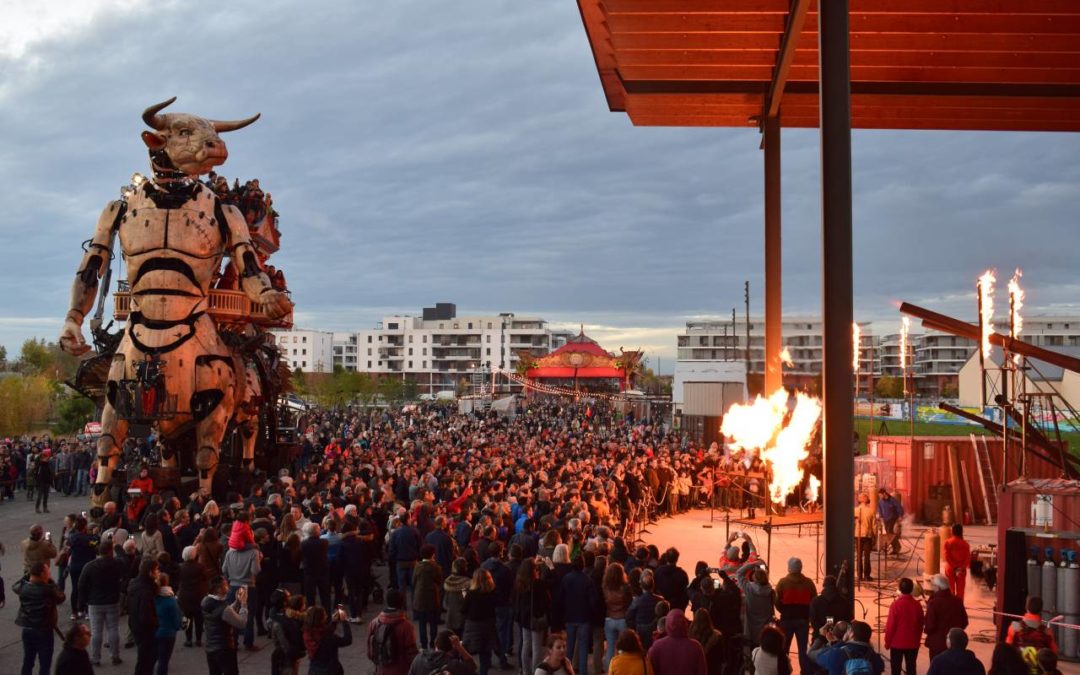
1056, 582
1059, 586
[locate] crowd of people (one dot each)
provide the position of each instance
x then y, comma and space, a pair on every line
485, 542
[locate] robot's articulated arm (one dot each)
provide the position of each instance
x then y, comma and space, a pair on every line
254, 282
91, 269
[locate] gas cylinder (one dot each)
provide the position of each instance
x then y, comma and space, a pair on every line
932, 557
1062, 571
1070, 638
1034, 573
945, 531
1049, 588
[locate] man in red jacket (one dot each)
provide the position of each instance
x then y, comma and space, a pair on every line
903, 630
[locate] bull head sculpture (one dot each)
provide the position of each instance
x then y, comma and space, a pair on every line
187, 143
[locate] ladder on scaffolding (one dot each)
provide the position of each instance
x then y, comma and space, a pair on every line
987, 484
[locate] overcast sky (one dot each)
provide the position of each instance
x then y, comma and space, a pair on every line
463, 152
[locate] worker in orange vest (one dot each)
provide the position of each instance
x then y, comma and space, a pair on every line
957, 560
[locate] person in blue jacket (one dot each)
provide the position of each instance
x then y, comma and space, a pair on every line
170, 621
843, 642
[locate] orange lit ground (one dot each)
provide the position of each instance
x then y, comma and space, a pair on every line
689, 533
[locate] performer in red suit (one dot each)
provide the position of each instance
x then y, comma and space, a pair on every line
957, 560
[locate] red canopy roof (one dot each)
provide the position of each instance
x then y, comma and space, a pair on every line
1010, 65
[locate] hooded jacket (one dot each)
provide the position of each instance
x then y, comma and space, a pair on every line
759, 608
404, 640
676, 653
454, 600
830, 603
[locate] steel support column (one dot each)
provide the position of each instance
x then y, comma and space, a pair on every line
773, 304
836, 287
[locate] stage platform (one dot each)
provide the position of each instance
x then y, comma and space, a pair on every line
796, 519
699, 537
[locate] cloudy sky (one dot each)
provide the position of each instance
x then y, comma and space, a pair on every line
463, 152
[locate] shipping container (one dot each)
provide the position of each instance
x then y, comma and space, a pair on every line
1041, 519
921, 473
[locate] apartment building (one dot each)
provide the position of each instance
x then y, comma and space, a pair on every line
935, 358
312, 351
442, 351
727, 340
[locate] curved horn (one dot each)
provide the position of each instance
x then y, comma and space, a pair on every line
151, 117
222, 127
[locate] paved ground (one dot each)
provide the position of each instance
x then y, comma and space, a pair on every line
15, 521
696, 540
686, 532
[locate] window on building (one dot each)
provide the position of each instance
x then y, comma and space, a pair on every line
294, 339
410, 364
303, 352
369, 365
303, 364
489, 339
489, 325
489, 351
423, 338
410, 339
380, 364
294, 352
425, 364
410, 351
391, 326
369, 339
456, 326
304, 339
470, 325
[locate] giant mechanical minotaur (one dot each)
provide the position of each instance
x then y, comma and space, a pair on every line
172, 364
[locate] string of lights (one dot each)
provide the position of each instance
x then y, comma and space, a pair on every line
555, 390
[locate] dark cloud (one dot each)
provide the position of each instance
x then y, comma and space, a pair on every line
463, 151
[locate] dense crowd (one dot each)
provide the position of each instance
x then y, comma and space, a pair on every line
486, 542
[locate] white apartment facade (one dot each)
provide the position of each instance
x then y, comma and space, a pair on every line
312, 351
441, 351
718, 340
935, 358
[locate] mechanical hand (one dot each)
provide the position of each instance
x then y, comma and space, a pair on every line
71, 338
276, 303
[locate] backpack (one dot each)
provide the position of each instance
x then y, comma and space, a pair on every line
857, 664
382, 645
1029, 641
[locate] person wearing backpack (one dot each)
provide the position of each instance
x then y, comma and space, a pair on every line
1029, 634
849, 651
391, 643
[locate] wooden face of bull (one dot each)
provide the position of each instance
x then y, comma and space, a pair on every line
191, 143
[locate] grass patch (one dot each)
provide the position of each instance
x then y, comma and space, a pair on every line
903, 428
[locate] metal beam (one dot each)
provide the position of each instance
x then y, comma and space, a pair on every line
773, 257
943, 89
836, 287
786, 56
